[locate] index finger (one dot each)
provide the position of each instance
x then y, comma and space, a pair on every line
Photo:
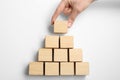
59, 10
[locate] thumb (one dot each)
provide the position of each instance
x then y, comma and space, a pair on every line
72, 17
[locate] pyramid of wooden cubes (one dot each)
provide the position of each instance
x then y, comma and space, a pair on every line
59, 57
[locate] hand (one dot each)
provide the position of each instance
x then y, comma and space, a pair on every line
71, 8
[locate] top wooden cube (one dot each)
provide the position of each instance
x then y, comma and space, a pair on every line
52, 42
60, 27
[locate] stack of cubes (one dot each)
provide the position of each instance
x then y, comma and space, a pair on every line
59, 57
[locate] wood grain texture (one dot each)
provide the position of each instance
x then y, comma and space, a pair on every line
75, 54
60, 27
82, 68
66, 41
60, 55
36, 68
45, 54
51, 68
66, 68
52, 42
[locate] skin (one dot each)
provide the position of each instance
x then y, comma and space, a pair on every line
70, 8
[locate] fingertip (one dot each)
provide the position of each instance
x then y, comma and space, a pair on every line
52, 21
69, 24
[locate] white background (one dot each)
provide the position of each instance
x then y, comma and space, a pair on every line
25, 23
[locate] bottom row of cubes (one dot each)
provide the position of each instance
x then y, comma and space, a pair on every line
59, 68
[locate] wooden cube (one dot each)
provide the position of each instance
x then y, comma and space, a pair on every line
36, 68
66, 41
51, 68
52, 42
66, 68
60, 55
60, 27
45, 54
82, 68
75, 54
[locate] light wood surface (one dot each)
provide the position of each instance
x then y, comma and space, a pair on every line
52, 42
66, 68
82, 68
60, 27
51, 68
75, 54
60, 55
66, 41
36, 68
45, 54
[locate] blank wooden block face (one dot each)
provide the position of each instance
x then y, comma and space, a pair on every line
60, 27
36, 68
60, 55
51, 68
82, 68
52, 42
45, 55
66, 68
75, 54
66, 41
